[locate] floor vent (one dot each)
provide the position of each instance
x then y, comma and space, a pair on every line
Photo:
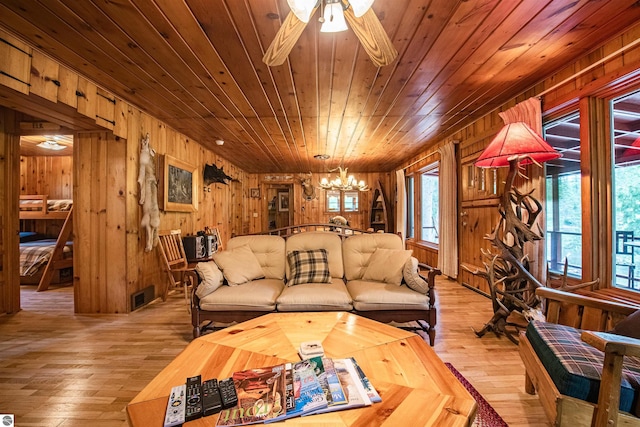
142, 298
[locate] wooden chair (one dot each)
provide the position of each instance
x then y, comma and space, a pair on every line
179, 273
589, 314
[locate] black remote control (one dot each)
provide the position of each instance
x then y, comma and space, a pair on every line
194, 398
211, 401
228, 393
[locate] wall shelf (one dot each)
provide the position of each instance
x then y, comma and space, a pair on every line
378, 217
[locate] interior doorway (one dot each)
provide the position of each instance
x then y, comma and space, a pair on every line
45, 210
279, 206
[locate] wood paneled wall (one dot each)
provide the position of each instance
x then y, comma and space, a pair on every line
314, 211
9, 224
47, 175
109, 259
600, 72
50, 175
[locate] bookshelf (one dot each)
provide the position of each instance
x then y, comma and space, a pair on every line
379, 220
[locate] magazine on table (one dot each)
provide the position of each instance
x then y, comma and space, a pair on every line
352, 386
371, 391
261, 397
326, 373
267, 395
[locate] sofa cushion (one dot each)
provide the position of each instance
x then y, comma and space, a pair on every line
629, 326
315, 297
211, 276
386, 265
357, 249
308, 267
318, 240
257, 295
269, 250
369, 296
239, 265
412, 278
576, 367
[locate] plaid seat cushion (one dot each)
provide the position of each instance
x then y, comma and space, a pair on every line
308, 267
575, 367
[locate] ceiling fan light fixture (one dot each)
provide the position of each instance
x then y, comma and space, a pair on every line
51, 145
333, 18
360, 7
302, 9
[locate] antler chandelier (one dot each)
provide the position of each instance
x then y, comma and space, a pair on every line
343, 182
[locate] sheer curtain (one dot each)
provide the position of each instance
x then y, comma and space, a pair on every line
448, 252
401, 207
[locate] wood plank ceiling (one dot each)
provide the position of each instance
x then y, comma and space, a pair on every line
197, 65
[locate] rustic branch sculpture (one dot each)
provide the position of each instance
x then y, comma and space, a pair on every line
511, 283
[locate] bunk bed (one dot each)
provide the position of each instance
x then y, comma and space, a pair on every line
44, 258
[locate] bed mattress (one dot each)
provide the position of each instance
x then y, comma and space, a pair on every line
34, 255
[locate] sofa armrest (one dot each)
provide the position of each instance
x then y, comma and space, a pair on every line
432, 272
615, 347
430, 278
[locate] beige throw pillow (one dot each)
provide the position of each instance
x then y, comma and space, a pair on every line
385, 265
412, 278
211, 276
239, 265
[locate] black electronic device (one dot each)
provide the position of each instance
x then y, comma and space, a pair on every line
194, 398
211, 401
195, 247
228, 393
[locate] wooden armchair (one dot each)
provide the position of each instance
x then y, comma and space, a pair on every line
590, 314
179, 273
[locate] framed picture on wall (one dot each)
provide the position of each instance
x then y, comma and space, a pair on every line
283, 202
178, 185
255, 193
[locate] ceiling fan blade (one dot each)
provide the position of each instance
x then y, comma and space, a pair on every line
287, 36
371, 34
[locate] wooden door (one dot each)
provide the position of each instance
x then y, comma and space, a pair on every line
478, 217
279, 206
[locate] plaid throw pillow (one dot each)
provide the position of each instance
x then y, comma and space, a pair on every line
308, 267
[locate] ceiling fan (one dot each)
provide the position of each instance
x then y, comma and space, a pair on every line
359, 15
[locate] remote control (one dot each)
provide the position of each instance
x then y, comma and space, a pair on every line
211, 401
194, 398
176, 406
228, 393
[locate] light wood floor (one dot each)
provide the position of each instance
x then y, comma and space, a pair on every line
63, 370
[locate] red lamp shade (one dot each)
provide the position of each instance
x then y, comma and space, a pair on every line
516, 139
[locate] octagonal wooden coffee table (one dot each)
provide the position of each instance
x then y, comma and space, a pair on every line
416, 387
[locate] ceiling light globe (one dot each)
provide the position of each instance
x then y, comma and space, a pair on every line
333, 19
302, 9
360, 7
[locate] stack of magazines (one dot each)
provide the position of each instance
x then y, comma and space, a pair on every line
312, 386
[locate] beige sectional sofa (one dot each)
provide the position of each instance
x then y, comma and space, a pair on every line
369, 274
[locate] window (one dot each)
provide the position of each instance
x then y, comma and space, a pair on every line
563, 213
410, 207
350, 201
429, 204
343, 201
333, 201
625, 138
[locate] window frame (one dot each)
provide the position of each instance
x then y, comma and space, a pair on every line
342, 195
416, 198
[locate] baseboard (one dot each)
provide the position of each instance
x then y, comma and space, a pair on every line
468, 286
